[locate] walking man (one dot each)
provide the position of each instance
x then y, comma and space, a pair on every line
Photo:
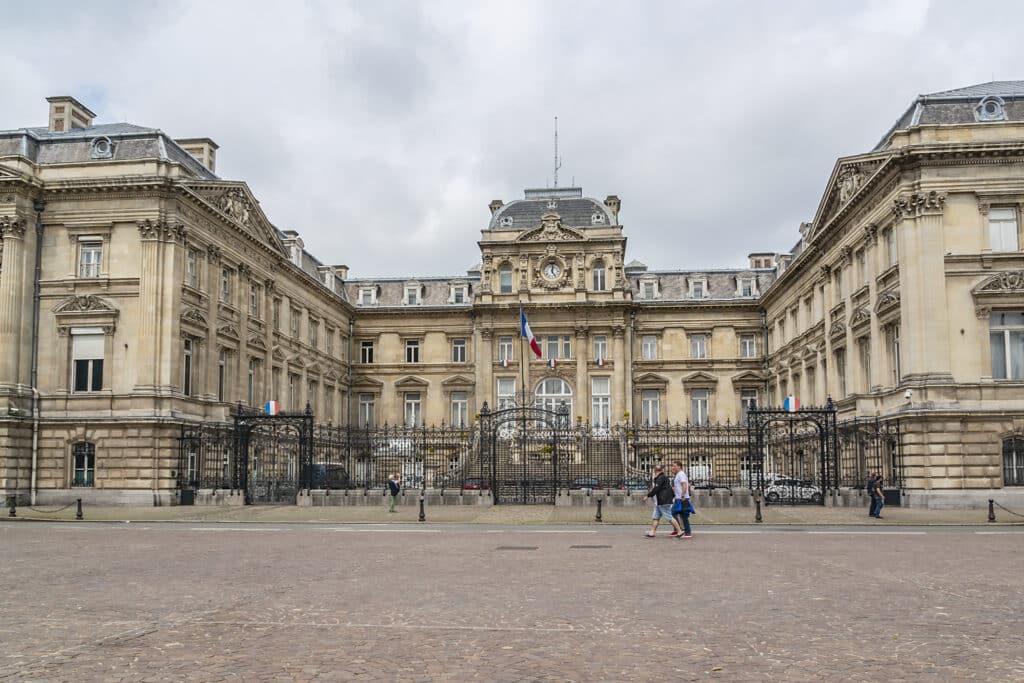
681, 502
879, 496
661, 492
869, 488
394, 486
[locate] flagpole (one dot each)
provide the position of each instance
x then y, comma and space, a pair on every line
522, 355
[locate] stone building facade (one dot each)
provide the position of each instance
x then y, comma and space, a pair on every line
139, 292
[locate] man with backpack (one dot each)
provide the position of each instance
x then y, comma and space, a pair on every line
394, 486
681, 505
661, 492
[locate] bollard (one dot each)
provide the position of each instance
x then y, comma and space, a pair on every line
423, 514
78, 513
597, 517
12, 512
991, 510
757, 510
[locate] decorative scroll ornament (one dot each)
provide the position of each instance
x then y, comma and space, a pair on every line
551, 230
888, 299
193, 315
1009, 281
918, 204
84, 304
860, 316
838, 329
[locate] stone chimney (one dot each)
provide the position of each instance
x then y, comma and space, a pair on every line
614, 204
341, 272
203, 149
67, 113
495, 205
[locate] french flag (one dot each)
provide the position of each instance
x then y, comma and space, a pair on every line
272, 408
791, 404
504, 362
527, 333
600, 362
551, 362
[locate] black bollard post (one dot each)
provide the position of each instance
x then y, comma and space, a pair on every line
12, 512
991, 510
78, 514
757, 510
423, 514
597, 517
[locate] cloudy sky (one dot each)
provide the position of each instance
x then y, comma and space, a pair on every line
380, 130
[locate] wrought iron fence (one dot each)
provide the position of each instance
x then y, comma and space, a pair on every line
869, 445
714, 456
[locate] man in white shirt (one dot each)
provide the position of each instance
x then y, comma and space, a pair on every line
681, 490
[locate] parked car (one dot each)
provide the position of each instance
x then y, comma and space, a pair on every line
580, 483
476, 484
792, 490
710, 484
634, 484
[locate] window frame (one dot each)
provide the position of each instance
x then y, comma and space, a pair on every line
87, 451
366, 351
459, 346
649, 347
89, 269
412, 350
699, 346
599, 276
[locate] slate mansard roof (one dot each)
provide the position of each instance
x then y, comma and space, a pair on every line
963, 105
434, 291
129, 142
575, 210
721, 285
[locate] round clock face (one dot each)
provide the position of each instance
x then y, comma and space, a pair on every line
552, 270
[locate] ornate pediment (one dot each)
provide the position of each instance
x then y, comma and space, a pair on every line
236, 203
277, 354
700, 379
748, 377
847, 180
228, 331
838, 329
84, 304
365, 382
458, 382
193, 315
888, 299
650, 379
412, 382
1009, 282
860, 316
257, 341
551, 230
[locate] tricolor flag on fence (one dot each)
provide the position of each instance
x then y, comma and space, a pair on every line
504, 362
600, 362
551, 362
272, 408
527, 333
792, 403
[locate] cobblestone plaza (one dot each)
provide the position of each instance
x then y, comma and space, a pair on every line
335, 602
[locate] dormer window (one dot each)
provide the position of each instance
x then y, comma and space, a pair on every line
367, 296
698, 288
412, 295
296, 255
746, 286
458, 293
649, 289
597, 219
506, 221
990, 109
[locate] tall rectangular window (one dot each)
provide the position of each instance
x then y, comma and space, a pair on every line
294, 319
748, 402
329, 341
748, 346
250, 388
225, 285
90, 255
505, 279
413, 409
841, 371
649, 347
293, 392
222, 373
506, 392
505, 346
890, 247
312, 393
366, 352
599, 276
187, 363
329, 403
460, 409
698, 346
1006, 336
458, 350
600, 347
366, 410
192, 268
83, 466
864, 349
862, 267
314, 333
275, 388
558, 347
277, 315
894, 354
254, 300
458, 294
648, 290
601, 402
412, 295
412, 351
650, 407
87, 359
699, 406
1002, 228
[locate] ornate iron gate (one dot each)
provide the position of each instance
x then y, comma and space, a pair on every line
795, 454
524, 447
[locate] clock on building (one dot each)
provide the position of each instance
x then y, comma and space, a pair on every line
552, 270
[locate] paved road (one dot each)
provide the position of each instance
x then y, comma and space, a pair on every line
331, 602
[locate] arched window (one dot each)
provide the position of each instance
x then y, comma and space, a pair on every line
83, 463
599, 276
551, 392
1013, 462
505, 278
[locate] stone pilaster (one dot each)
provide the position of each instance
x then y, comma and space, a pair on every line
622, 358
14, 283
582, 386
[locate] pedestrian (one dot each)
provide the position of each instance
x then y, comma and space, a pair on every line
394, 486
869, 488
661, 492
879, 496
681, 505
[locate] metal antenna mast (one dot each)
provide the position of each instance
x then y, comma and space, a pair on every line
558, 160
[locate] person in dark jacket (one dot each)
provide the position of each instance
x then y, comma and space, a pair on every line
661, 492
394, 486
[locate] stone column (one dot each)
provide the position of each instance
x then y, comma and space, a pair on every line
582, 387
876, 343
13, 284
152, 234
924, 315
621, 357
483, 360
830, 386
206, 385
242, 362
